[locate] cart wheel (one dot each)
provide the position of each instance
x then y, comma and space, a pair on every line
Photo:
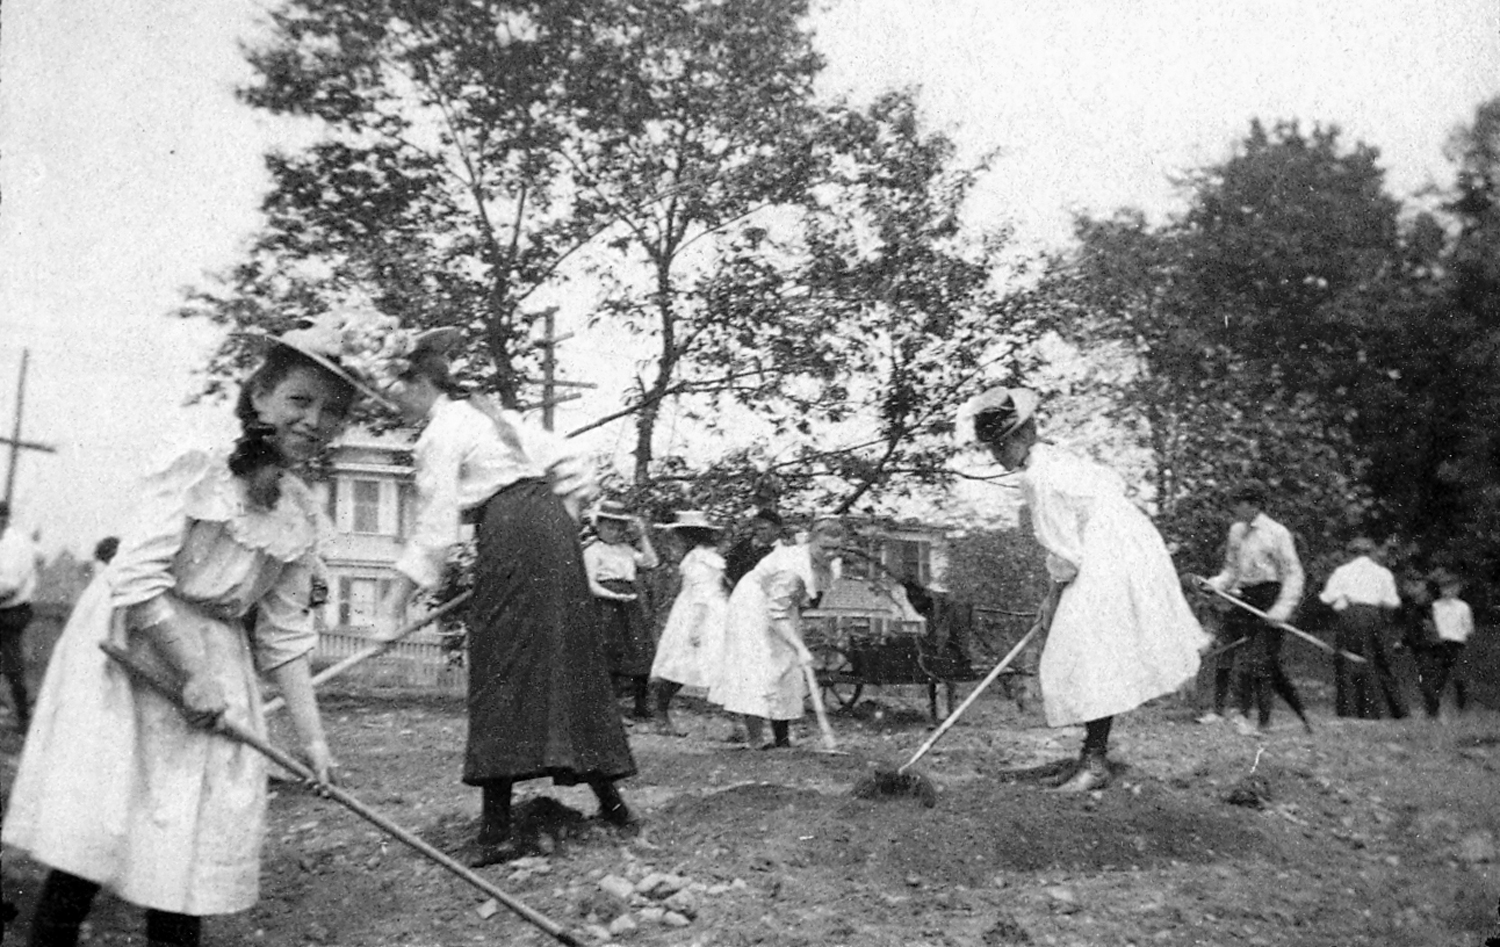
841, 686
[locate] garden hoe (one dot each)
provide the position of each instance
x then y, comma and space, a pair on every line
900, 781
156, 680
381, 646
1203, 585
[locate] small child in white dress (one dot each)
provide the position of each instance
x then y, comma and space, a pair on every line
692, 642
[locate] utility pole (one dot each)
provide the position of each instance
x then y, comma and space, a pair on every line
14, 441
550, 381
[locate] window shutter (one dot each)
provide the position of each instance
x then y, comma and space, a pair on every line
343, 498
343, 601
390, 508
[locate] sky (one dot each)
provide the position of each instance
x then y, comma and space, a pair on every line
129, 172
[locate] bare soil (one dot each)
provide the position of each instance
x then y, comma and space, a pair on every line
1380, 833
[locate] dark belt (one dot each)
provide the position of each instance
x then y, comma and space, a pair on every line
474, 515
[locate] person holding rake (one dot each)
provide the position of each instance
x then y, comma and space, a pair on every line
761, 675
117, 787
540, 700
1119, 631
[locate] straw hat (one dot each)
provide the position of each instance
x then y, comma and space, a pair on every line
692, 519
612, 510
1015, 406
359, 346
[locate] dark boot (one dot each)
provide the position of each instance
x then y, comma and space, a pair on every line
1093, 765
497, 842
494, 826
612, 808
665, 691
1092, 774
164, 929
641, 689
781, 733
61, 909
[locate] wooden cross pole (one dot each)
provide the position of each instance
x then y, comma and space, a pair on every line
14, 442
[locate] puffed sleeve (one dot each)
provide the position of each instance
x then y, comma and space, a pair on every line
142, 568
786, 591
284, 626
439, 464
1058, 520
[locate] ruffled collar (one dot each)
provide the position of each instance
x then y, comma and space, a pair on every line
287, 532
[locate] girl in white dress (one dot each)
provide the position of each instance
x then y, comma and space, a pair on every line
761, 675
1119, 631
692, 642
614, 564
117, 788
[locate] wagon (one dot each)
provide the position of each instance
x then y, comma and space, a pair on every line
913, 636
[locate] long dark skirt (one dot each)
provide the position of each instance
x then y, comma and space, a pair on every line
540, 701
629, 645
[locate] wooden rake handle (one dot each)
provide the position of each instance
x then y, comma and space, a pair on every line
1283, 625
830, 742
375, 650
238, 733
973, 696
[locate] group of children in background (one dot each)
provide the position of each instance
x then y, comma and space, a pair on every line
734, 610
1262, 571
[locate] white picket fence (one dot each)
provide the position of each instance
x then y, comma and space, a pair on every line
415, 662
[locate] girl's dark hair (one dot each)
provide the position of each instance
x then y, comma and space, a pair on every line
697, 535
254, 450
434, 367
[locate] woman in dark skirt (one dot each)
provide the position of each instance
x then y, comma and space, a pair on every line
540, 701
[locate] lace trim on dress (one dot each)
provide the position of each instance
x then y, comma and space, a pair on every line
290, 531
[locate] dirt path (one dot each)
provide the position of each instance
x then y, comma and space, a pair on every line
1366, 833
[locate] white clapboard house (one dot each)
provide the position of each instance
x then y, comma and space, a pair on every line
368, 495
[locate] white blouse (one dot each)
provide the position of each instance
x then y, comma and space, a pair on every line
607, 561
196, 536
1060, 490
462, 459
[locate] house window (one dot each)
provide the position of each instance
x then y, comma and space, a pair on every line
371, 507
359, 598
861, 563
366, 508
910, 559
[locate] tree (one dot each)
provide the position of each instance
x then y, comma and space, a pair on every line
1241, 314
855, 332
698, 120
1443, 394
440, 188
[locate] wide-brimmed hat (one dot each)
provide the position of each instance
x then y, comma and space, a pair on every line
357, 345
1014, 407
612, 510
692, 519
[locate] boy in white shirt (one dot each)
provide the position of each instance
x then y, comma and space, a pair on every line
1441, 661
1363, 592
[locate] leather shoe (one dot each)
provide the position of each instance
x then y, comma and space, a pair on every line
1085, 780
497, 853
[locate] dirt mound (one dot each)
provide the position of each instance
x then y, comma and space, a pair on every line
997, 826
